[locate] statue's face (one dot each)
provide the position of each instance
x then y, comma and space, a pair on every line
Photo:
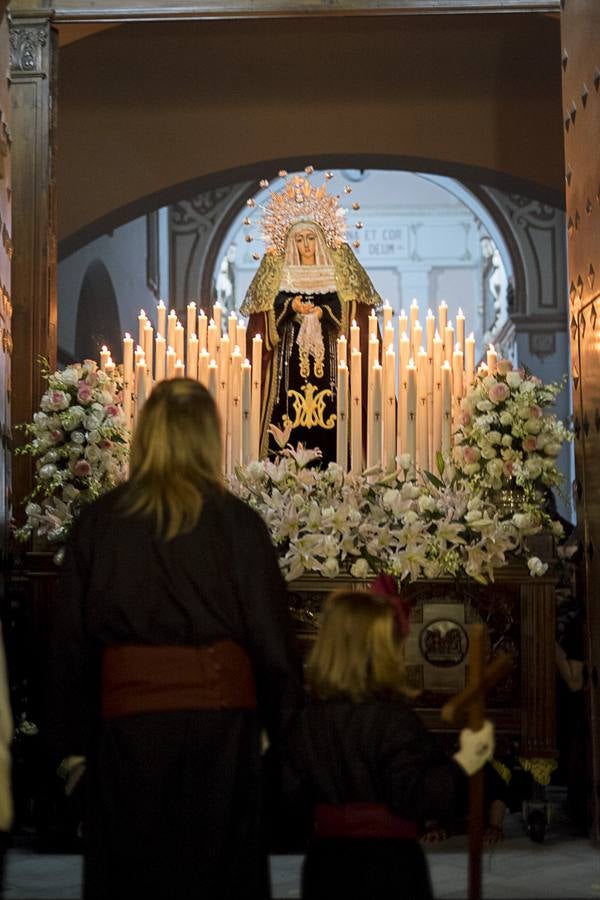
306, 243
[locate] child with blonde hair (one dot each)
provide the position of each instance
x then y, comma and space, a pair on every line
365, 767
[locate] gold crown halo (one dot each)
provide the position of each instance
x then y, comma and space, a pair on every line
300, 201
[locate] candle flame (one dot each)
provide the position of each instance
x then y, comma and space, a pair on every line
127, 336
354, 323
457, 347
161, 304
104, 348
142, 314
460, 312
492, 348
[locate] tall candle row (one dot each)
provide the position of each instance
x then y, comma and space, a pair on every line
211, 351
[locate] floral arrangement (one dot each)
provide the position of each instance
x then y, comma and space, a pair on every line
326, 521
506, 438
80, 442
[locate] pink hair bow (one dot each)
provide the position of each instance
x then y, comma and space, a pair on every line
386, 586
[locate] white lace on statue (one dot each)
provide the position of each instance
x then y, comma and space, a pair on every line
310, 343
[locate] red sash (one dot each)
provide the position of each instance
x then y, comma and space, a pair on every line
361, 820
141, 678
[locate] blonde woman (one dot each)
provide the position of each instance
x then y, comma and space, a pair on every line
171, 650
362, 765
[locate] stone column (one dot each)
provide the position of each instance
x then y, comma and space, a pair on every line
33, 57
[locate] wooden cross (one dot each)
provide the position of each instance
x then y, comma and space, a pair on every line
472, 701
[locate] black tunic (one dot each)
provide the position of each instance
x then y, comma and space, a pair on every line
174, 806
372, 752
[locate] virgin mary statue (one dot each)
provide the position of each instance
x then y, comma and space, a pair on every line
308, 290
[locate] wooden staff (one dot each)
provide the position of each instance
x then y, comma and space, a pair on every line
472, 700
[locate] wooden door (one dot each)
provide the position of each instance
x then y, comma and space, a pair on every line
580, 35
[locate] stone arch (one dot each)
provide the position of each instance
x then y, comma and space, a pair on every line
98, 320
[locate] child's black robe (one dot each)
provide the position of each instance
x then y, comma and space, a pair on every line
373, 752
173, 798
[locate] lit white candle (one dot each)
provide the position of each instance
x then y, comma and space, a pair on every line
429, 333
179, 340
218, 319
109, 368
212, 339
442, 317
257, 348
171, 360
403, 357
191, 320
161, 318
388, 336
342, 349
448, 342
374, 417
417, 338
139, 354
160, 350
438, 358
104, 357
411, 414
246, 411
402, 323
235, 406
240, 336
389, 409
148, 345
171, 324
213, 378
354, 337
203, 363
387, 314
373, 356
373, 323
192, 357
457, 377
446, 406
342, 416
202, 329
140, 386
179, 369
142, 322
492, 360
127, 358
460, 329
356, 448
413, 313
127, 376
422, 418
223, 399
232, 329
470, 359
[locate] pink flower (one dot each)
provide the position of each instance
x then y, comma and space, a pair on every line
105, 444
508, 468
471, 455
56, 436
499, 392
84, 392
112, 412
82, 468
535, 412
464, 418
504, 366
530, 444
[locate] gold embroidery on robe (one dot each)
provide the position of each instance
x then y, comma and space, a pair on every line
309, 410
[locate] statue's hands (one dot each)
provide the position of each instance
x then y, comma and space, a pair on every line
302, 307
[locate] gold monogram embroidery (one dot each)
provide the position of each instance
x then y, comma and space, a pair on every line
310, 409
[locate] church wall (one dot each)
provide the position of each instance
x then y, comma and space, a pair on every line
148, 106
124, 255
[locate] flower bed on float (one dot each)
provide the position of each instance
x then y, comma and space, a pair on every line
321, 519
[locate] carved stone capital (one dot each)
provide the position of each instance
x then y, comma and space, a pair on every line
28, 40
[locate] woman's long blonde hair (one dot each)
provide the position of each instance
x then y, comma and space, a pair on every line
175, 456
358, 650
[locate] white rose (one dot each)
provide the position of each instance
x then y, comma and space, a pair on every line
522, 520
527, 387
488, 452
404, 461
485, 405
78, 437
472, 469
532, 468
425, 503
513, 379
533, 426
506, 418
70, 376
495, 467
552, 449
330, 567
507, 440
360, 569
93, 422
92, 453
46, 472
536, 566
493, 437
391, 498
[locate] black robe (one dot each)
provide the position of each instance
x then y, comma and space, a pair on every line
173, 798
373, 752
